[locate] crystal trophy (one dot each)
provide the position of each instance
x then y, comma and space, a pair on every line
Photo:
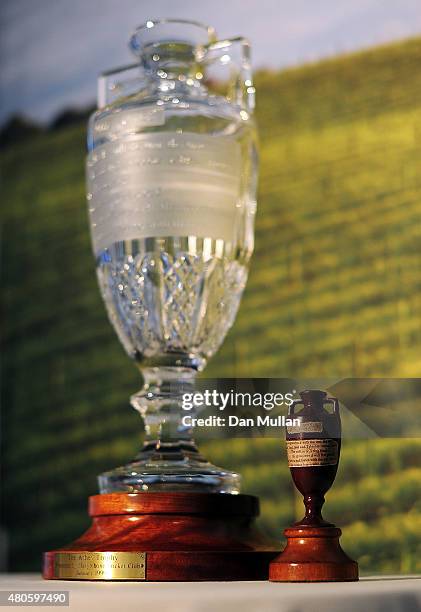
171, 177
171, 181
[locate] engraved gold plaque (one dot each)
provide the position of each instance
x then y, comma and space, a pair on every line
100, 565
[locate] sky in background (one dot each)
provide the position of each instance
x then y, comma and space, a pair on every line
51, 51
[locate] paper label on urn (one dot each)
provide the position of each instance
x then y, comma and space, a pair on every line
306, 427
163, 184
308, 453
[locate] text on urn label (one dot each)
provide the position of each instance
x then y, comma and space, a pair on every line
307, 453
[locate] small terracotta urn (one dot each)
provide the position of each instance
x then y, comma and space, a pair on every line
313, 552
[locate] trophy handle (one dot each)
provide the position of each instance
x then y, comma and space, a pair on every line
335, 403
227, 70
291, 409
119, 83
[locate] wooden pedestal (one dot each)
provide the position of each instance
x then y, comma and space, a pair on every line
313, 554
165, 537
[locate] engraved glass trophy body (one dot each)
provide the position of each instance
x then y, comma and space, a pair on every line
171, 176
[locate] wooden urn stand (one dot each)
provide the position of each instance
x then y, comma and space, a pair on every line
166, 537
313, 554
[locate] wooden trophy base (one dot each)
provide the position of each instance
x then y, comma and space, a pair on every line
313, 554
166, 537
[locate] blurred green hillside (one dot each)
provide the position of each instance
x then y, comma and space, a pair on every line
334, 291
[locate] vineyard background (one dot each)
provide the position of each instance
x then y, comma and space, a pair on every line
334, 291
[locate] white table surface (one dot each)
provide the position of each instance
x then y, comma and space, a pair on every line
386, 594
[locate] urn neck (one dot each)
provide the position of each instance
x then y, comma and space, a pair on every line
313, 397
161, 402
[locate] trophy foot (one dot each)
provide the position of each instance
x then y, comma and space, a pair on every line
169, 461
169, 467
313, 554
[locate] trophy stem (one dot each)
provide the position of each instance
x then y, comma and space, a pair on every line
313, 514
160, 403
169, 459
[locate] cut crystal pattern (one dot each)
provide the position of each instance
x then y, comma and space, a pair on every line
162, 303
